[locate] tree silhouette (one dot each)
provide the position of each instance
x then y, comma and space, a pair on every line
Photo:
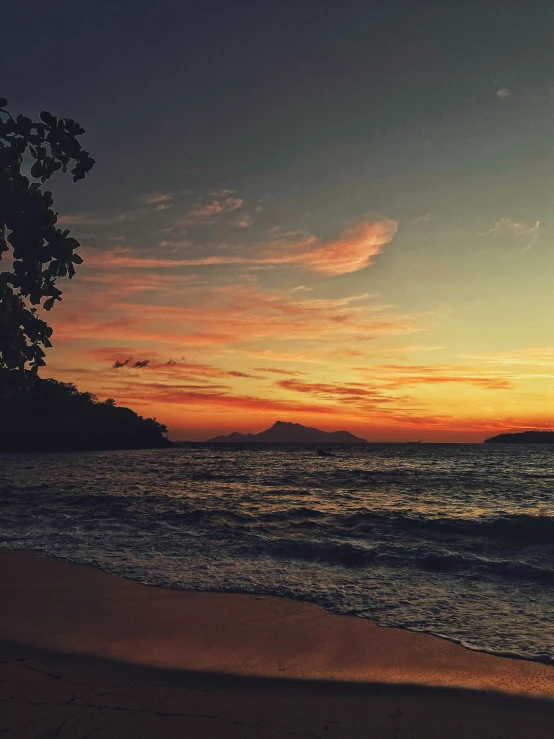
38, 253
55, 416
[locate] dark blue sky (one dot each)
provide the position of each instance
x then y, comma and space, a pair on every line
222, 93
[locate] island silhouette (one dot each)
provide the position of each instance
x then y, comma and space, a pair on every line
523, 437
285, 432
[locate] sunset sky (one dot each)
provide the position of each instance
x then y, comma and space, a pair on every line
333, 213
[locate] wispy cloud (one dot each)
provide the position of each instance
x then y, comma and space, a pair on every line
90, 219
274, 371
244, 221
216, 397
125, 257
383, 382
405, 375
126, 357
427, 218
352, 251
207, 212
148, 205
224, 315
153, 198
510, 227
540, 356
344, 392
490, 383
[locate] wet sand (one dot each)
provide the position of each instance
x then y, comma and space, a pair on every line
86, 654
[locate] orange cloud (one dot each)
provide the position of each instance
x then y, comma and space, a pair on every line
491, 383
223, 315
396, 375
351, 252
215, 396
274, 371
344, 392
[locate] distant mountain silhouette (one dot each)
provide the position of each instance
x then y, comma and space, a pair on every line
285, 432
55, 416
523, 437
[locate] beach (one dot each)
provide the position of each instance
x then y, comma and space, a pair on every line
418, 539
85, 653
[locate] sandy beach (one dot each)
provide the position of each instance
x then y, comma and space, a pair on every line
87, 654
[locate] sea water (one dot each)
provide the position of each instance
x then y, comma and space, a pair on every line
456, 540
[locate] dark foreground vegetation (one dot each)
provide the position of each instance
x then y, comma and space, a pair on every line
39, 253
523, 437
55, 416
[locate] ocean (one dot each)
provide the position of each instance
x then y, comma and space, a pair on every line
456, 540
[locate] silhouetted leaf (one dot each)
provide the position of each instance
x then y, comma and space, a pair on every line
48, 118
41, 254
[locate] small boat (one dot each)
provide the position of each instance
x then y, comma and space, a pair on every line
324, 453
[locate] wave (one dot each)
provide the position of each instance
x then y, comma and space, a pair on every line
313, 550
506, 569
353, 555
506, 529
521, 528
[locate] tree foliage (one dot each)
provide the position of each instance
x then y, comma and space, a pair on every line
38, 253
55, 416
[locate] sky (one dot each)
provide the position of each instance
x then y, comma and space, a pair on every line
333, 213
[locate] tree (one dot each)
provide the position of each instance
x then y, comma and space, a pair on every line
38, 253
54, 416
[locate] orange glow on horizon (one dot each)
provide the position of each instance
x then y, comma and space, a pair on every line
279, 329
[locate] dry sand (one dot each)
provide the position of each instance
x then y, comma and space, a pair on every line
86, 654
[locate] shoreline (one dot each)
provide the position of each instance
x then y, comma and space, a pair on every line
244, 601
543, 659
89, 649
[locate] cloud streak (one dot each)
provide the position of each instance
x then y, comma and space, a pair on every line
351, 252
509, 227
207, 213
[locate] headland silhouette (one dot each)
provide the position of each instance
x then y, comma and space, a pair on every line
55, 416
284, 432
